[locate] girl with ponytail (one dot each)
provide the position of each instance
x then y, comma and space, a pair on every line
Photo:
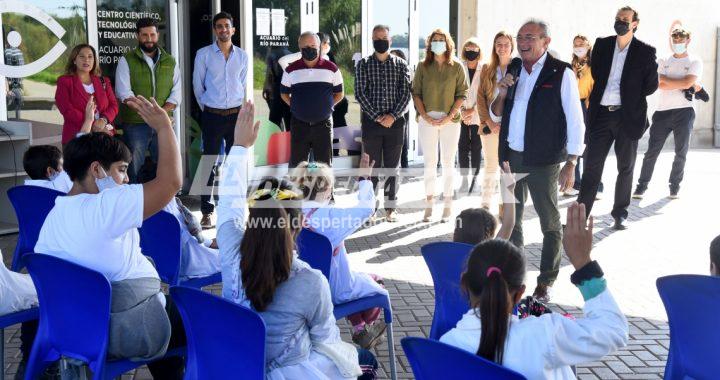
543, 347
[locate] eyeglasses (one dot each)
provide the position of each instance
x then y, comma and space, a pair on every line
528, 38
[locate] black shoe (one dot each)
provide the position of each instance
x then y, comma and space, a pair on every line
639, 192
674, 192
620, 224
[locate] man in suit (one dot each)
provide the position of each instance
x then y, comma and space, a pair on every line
541, 127
625, 73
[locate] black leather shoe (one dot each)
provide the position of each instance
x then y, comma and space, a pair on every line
620, 224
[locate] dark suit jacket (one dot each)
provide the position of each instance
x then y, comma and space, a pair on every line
639, 79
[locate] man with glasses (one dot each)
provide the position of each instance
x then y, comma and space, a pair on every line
625, 73
541, 127
219, 80
679, 81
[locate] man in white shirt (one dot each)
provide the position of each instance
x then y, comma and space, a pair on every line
541, 126
679, 77
152, 72
44, 165
95, 226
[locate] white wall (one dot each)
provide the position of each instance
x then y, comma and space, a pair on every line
595, 19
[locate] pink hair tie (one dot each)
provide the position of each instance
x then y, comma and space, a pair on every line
491, 270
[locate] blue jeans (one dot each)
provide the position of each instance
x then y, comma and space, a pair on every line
139, 138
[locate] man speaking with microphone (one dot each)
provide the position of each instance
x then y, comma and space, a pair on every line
540, 128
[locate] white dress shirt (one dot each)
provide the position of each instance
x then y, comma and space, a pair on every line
611, 96
123, 89
219, 82
570, 104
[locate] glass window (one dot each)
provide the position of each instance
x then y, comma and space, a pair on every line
434, 14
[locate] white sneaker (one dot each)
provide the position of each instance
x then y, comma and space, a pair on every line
571, 192
598, 196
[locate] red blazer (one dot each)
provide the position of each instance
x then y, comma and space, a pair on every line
71, 98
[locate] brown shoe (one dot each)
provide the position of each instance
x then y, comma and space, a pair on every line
542, 293
370, 336
206, 222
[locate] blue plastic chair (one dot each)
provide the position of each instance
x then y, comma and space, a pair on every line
74, 318
446, 261
316, 250
431, 359
32, 205
225, 340
691, 303
8, 320
161, 239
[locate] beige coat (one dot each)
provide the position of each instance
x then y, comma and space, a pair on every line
474, 84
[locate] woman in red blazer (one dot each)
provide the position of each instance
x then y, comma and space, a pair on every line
82, 83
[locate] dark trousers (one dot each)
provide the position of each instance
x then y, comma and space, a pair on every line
406, 138
215, 130
605, 131
384, 146
578, 170
139, 138
279, 111
680, 123
541, 182
469, 149
305, 136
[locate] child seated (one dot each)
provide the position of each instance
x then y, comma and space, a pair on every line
715, 256
44, 165
17, 291
537, 347
316, 180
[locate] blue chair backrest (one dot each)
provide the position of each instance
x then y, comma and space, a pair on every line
225, 340
692, 303
447, 262
431, 359
32, 205
316, 250
160, 238
74, 309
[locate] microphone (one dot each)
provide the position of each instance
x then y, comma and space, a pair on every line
514, 69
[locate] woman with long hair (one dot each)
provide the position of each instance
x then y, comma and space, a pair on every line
84, 97
502, 50
582, 67
469, 146
439, 90
538, 347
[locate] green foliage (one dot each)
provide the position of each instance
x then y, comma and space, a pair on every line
258, 73
45, 77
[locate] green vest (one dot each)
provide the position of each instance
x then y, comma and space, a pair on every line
141, 81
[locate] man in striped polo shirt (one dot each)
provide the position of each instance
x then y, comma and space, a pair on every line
311, 86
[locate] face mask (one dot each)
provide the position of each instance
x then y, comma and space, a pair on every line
679, 48
471, 55
104, 183
621, 27
309, 54
381, 46
54, 176
580, 52
438, 47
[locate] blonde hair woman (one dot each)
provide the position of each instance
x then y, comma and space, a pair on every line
492, 72
469, 146
439, 90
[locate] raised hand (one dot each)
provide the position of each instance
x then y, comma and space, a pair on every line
90, 108
246, 132
151, 112
578, 235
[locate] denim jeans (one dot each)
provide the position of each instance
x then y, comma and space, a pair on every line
139, 138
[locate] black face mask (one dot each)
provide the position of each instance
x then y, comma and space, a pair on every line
309, 54
622, 27
381, 46
471, 55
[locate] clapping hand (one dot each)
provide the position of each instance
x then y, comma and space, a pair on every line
151, 112
578, 235
246, 130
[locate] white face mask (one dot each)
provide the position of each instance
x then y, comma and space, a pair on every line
438, 47
580, 52
107, 182
54, 176
679, 48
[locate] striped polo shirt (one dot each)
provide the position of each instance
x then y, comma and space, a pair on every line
312, 89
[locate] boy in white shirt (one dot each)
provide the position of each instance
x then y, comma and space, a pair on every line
44, 165
679, 77
95, 226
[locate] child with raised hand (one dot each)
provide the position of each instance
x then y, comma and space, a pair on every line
316, 181
542, 347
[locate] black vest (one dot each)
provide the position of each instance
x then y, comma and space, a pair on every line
545, 124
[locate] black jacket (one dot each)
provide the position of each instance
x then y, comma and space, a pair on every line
545, 123
639, 80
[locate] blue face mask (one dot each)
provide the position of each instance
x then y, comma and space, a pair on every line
107, 182
54, 176
438, 47
679, 48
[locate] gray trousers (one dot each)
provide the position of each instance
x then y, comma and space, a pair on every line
542, 184
680, 123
